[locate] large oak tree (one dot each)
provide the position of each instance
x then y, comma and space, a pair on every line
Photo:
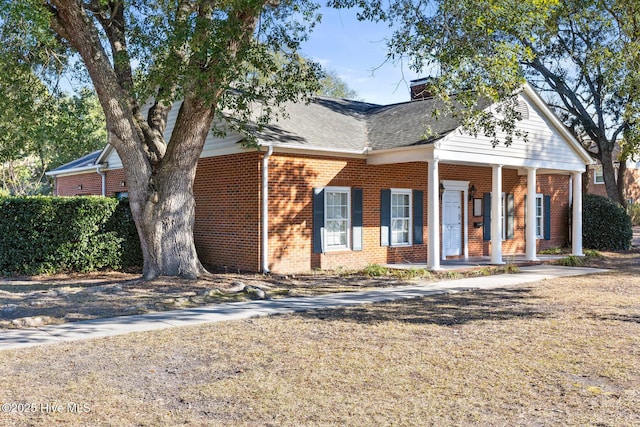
217, 58
582, 55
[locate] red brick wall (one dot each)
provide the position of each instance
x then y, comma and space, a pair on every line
632, 185
91, 183
592, 187
228, 208
294, 177
227, 226
291, 226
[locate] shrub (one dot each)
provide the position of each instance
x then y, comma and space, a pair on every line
375, 270
570, 261
605, 224
121, 223
55, 234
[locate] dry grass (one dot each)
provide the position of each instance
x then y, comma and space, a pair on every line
560, 352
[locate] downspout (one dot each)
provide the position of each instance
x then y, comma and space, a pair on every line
265, 209
103, 176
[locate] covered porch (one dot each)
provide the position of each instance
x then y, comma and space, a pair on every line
549, 151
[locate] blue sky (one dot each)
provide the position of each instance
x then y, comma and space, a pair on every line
356, 51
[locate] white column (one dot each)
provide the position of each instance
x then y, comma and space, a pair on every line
433, 256
576, 247
530, 237
496, 209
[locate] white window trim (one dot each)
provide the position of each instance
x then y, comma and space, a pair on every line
597, 172
328, 190
409, 192
541, 234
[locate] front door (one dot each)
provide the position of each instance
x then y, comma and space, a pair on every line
451, 223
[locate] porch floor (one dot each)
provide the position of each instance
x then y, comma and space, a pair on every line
481, 261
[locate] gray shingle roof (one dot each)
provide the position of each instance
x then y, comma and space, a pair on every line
321, 123
342, 124
86, 160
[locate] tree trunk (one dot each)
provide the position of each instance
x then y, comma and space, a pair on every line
163, 204
622, 171
609, 173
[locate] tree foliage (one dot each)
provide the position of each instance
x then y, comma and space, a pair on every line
583, 56
217, 62
44, 132
332, 85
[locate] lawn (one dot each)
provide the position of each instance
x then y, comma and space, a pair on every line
558, 352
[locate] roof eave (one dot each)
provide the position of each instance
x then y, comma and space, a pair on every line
75, 171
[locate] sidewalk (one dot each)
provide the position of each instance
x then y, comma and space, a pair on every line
19, 338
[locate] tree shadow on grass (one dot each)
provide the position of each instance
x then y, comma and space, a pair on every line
445, 309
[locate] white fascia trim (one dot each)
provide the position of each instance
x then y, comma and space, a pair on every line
461, 157
76, 171
106, 151
324, 151
413, 153
557, 124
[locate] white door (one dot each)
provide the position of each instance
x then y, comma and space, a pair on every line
451, 223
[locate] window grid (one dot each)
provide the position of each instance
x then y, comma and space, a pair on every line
400, 217
598, 175
337, 218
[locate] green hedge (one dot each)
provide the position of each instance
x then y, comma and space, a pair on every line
64, 234
605, 224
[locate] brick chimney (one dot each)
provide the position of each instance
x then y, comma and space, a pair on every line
419, 89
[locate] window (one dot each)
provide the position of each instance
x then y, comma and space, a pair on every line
523, 109
400, 217
336, 218
539, 216
503, 219
598, 175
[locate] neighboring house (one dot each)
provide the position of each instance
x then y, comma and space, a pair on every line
344, 184
631, 176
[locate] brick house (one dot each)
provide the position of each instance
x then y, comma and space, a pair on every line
595, 183
343, 183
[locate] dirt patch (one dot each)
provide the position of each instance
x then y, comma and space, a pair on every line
37, 301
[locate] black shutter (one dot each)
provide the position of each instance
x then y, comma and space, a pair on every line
356, 218
385, 217
547, 217
486, 216
318, 220
510, 216
418, 209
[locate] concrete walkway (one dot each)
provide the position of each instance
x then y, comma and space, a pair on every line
19, 338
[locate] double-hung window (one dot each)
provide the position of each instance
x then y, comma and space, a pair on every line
400, 217
336, 218
598, 175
